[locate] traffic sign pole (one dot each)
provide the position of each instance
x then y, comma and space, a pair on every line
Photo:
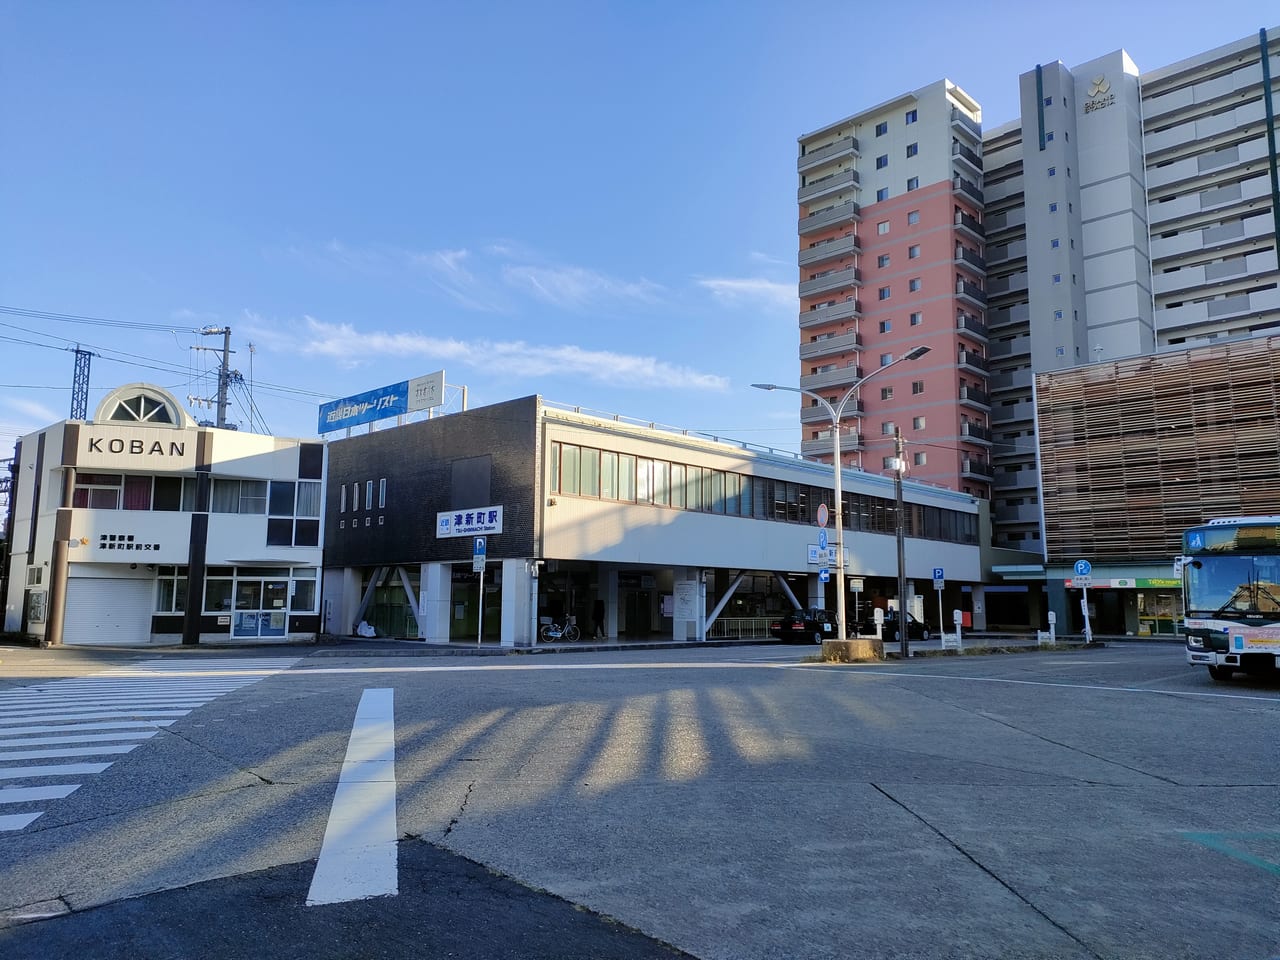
1084, 568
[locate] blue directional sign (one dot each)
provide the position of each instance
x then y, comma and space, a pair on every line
1083, 568
824, 575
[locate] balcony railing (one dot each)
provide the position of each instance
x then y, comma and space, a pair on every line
832, 183
827, 346
971, 257
845, 309
971, 290
975, 432
967, 187
963, 120
967, 222
964, 153
818, 414
977, 468
811, 158
847, 212
839, 247
967, 358
968, 324
975, 397
833, 280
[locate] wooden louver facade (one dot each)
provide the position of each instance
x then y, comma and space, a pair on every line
1133, 452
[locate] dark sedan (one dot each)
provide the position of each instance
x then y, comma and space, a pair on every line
915, 629
806, 626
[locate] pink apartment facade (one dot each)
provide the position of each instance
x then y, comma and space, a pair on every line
890, 258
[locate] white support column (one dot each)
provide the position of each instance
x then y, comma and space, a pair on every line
817, 591
435, 596
516, 612
979, 618
608, 580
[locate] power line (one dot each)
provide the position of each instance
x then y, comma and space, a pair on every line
92, 321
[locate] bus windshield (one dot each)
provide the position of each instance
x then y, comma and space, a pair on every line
1238, 585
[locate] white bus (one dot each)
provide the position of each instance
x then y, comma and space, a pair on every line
1231, 595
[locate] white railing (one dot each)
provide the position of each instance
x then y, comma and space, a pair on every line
750, 628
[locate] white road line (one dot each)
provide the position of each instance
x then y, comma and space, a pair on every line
79, 738
358, 855
16, 821
55, 752
53, 770
47, 715
121, 725
26, 794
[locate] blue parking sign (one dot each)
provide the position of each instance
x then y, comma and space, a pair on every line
937, 573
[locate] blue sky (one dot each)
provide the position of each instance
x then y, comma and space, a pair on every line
594, 202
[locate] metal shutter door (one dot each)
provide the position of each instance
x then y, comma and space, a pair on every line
108, 611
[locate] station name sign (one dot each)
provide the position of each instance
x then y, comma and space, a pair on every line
397, 399
467, 523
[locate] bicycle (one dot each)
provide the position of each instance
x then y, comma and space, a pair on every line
556, 633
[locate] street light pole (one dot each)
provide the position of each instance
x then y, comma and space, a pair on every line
835, 413
901, 530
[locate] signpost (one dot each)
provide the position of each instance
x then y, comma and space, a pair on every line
938, 581
478, 557
1083, 569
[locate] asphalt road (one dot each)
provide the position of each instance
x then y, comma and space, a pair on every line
730, 803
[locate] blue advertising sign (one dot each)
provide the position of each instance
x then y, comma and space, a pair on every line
391, 401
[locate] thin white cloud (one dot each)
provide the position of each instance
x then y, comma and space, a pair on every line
35, 412
350, 346
751, 290
576, 287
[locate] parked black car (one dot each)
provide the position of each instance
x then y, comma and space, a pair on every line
806, 626
915, 629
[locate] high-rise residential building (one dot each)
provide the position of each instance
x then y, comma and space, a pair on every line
890, 259
1121, 214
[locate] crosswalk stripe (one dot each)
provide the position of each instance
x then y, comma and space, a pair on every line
54, 791
51, 770
78, 738
128, 704
95, 715
51, 754
16, 821
98, 725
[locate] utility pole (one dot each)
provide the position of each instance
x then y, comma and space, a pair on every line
80, 385
223, 369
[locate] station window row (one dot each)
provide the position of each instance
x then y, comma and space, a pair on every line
607, 475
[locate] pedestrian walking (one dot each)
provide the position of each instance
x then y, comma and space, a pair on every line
597, 617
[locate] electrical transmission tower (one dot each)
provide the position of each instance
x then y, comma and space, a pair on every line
80, 385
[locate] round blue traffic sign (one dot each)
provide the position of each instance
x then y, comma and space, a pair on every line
1083, 567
